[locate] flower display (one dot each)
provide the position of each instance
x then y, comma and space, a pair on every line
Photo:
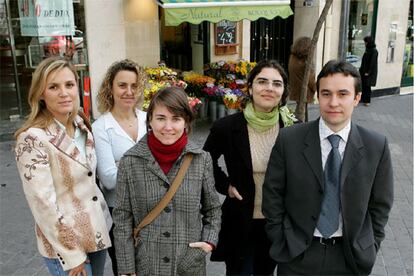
194, 103
196, 83
160, 77
243, 68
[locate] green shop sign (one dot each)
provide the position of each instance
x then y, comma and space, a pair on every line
175, 16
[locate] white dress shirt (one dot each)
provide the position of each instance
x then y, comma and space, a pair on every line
324, 132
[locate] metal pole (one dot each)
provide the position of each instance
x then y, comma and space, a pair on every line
13, 52
343, 30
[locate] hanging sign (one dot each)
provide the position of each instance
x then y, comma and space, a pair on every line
46, 17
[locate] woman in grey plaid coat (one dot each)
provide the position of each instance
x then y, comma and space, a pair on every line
177, 241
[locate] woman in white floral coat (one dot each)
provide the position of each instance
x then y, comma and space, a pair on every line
56, 160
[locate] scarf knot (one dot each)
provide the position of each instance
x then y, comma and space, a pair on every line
166, 155
262, 121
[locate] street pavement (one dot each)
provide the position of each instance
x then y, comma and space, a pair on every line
389, 115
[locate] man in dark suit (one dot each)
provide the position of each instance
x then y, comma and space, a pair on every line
326, 203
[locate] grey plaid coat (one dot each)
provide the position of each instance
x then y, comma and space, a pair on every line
192, 215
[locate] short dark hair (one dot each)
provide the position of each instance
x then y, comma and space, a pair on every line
266, 63
340, 67
176, 101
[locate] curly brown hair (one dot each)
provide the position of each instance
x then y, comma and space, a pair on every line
301, 47
105, 98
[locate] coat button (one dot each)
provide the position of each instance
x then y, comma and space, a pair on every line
166, 234
63, 262
90, 173
313, 218
166, 186
95, 198
167, 209
166, 259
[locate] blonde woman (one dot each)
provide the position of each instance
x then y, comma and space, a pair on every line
120, 127
56, 160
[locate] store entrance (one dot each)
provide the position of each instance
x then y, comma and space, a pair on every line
271, 39
185, 47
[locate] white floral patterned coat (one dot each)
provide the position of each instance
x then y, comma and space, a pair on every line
71, 216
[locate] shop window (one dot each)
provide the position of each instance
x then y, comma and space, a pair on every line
408, 62
361, 21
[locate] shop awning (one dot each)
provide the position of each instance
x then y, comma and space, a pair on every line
197, 11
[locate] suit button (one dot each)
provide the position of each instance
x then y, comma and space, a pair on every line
95, 198
306, 242
166, 234
167, 209
166, 186
313, 218
166, 259
90, 173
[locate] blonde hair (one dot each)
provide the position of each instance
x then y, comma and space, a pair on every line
39, 115
105, 98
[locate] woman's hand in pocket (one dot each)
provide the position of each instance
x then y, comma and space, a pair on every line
206, 247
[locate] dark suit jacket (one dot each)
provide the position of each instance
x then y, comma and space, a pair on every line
229, 137
293, 192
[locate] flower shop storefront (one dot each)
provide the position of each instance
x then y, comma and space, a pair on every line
205, 48
196, 32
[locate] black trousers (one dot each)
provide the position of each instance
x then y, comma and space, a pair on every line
318, 259
366, 91
111, 250
257, 261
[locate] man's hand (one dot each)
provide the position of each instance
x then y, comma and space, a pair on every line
202, 245
233, 193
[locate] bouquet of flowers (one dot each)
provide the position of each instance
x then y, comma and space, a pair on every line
233, 98
196, 83
160, 77
194, 103
243, 68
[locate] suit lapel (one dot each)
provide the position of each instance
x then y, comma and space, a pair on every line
241, 140
352, 154
312, 151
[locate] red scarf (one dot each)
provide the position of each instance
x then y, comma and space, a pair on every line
166, 155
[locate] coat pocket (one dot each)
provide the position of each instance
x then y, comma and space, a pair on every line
142, 265
193, 262
366, 241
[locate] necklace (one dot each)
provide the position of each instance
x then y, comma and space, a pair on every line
126, 122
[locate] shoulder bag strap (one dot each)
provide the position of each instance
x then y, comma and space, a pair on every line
167, 197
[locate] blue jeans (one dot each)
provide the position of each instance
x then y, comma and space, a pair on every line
94, 268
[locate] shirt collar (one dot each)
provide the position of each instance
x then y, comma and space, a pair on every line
325, 131
62, 126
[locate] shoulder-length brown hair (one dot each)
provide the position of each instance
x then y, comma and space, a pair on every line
40, 116
105, 98
301, 47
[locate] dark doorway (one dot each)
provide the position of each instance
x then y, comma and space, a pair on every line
271, 39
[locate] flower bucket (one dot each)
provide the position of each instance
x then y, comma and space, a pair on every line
221, 110
231, 111
203, 111
212, 106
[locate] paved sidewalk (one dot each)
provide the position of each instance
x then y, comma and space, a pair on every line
390, 115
